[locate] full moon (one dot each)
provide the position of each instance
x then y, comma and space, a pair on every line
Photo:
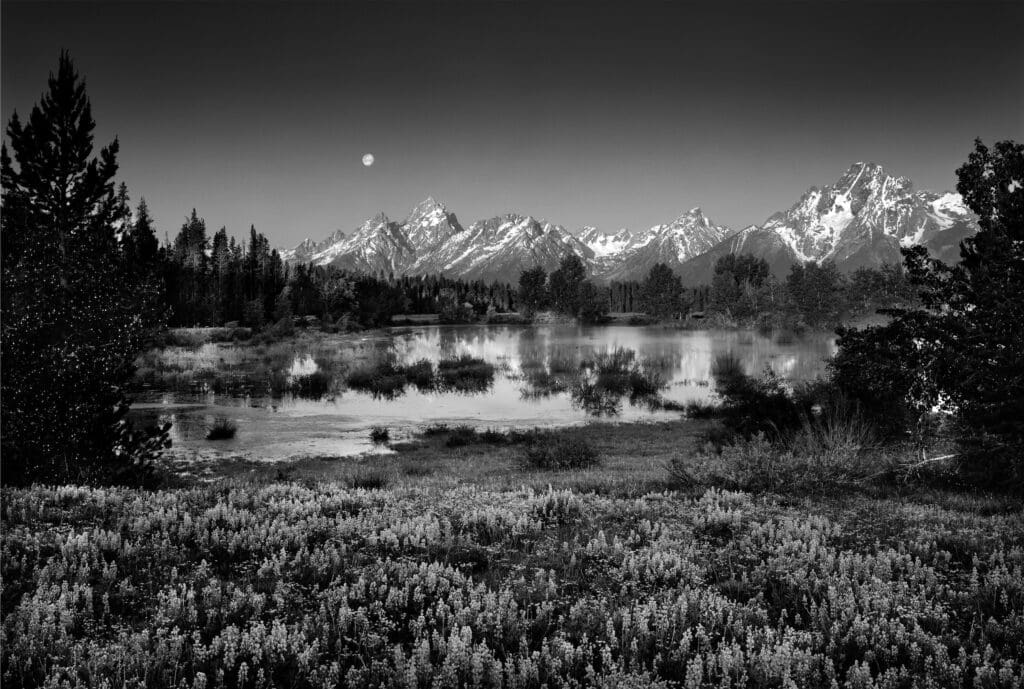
368, 159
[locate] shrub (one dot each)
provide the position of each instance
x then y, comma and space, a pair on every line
832, 451
222, 429
379, 434
754, 405
547, 450
837, 436
461, 435
492, 436
435, 429
696, 409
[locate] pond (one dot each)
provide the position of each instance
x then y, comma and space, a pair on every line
320, 396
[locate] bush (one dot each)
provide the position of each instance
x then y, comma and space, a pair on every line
547, 450
754, 405
695, 409
461, 435
492, 436
837, 436
222, 429
758, 464
379, 434
435, 429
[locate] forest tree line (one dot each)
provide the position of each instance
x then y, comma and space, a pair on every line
219, 280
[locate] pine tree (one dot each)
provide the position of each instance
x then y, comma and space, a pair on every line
661, 294
533, 295
565, 285
964, 348
141, 245
72, 317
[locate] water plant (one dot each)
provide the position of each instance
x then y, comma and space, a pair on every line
557, 450
379, 434
464, 373
223, 428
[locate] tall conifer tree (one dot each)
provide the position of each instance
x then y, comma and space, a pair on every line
72, 319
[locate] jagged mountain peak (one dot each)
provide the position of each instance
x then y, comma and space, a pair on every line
376, 220
429, 224
867, 214
862, 218
428, 206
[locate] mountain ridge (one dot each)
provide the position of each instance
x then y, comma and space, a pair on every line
860, 220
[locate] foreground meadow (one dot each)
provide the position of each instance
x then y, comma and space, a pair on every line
303, 584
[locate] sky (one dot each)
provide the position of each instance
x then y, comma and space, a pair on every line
601, 114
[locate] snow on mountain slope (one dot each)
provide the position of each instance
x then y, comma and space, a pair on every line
607, 245
499, 248
867, 214
861, 220
686, 237
429, 225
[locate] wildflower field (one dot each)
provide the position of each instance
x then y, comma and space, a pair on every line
317, 585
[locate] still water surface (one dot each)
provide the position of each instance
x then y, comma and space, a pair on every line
275, 427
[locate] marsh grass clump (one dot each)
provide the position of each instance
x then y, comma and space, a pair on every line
462, 435
379, 435
608, 378
696, 409
559, 451
386, 380
369, 478
727, 366
222, 429
833, 451
313, 385
465, 373
541, 383
435, 429
421, 374
838, 435
492, 436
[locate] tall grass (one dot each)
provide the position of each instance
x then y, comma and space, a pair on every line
834, 450
559, 451
726, 366
464, 373
837, 436
222, 429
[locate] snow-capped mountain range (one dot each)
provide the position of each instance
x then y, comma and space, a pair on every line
861, 220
